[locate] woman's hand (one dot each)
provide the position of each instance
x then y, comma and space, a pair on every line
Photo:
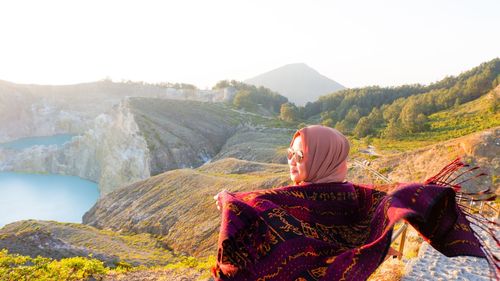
216, 198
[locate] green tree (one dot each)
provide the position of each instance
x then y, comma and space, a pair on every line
243, 100
412, 118
352, 116
289, 112
393, 130
343, 127
363, 128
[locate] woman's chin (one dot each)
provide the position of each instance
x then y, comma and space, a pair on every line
295, 178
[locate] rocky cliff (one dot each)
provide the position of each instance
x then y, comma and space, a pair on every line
140, 137
112, 153
44, 110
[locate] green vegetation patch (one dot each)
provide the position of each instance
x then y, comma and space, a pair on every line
18, 267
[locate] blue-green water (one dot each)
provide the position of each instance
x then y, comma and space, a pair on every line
32, 141
44, 197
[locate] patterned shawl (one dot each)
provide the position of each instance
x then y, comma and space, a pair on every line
332, 231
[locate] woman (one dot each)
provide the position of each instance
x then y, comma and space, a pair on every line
325, 228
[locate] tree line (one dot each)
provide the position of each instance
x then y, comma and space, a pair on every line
252, 98
393, 112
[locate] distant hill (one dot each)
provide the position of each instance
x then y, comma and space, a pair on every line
298, 82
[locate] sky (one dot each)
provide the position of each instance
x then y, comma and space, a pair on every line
356, 43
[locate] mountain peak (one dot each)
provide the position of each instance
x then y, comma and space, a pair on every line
298, 82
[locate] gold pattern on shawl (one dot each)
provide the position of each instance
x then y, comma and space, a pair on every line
286, 261
249, 197
233, 208
323, 213
298, 194
417, 194
337, 196
352, 235
462, 226
298, 207
331, 259
318, 272
313, 196
385, 225
270, 276
235, 252
266, 246
308, 230
298, 255
287, 227
275, 232
259, 202
277, 212
463, 242
351, 265
295, 193
252, 195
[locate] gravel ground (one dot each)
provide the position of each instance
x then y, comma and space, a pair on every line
432, 265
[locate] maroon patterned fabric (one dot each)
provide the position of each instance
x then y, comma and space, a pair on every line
331, 231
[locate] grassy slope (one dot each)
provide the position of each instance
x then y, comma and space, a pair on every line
178, 206
456, 122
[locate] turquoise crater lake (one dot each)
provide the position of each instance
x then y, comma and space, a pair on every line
44, 197
23, 143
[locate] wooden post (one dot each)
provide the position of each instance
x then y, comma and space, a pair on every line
402, 244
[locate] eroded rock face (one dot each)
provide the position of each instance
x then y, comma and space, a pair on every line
112, 153
120, 150
182, 134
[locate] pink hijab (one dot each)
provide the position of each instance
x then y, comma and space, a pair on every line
325, 154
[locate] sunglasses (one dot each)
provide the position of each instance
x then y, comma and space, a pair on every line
299, 155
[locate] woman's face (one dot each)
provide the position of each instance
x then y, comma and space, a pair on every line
298, 171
